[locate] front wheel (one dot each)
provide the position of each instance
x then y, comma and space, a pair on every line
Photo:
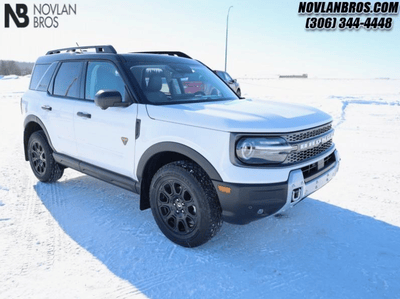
184, 204
43, 165
239, 93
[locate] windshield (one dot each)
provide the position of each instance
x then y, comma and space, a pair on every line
171, 83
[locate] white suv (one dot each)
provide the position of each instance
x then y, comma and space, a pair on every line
168, 128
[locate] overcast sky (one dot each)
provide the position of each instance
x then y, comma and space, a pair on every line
266, 38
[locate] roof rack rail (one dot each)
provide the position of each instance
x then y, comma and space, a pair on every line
171, 53
99, 49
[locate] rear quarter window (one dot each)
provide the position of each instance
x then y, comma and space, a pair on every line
45, 81
37, 74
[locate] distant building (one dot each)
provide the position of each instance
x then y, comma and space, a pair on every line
304, 76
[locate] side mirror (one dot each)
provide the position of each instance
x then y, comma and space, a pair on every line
109, 98
232, 81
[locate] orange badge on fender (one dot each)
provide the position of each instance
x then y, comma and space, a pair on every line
124, 140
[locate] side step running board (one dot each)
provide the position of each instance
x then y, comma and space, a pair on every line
99, 173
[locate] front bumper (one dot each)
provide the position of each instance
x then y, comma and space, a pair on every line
244, 203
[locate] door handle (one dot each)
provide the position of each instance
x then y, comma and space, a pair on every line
85, 115
46, 107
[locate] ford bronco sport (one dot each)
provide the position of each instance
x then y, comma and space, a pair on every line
196, 155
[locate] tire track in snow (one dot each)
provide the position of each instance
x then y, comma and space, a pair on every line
164, 277
20, 207
56, 244
63, 245
346, 101
54, 234
144, 285
47, 241
25, 234
125, 292
29, 211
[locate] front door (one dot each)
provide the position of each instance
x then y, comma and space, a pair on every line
105, 138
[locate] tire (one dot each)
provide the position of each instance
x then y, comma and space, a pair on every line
185, 204
239, 93
43, 165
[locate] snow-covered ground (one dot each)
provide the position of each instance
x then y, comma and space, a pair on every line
82, 238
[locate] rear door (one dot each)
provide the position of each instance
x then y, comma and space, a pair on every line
105, 138
58, 106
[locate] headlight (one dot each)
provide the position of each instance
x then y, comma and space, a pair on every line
263, 150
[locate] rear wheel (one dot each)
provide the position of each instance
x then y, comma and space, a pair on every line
43, 165
184, 204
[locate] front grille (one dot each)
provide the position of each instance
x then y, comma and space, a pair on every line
309, 170
312, 171
304, 155
303, 135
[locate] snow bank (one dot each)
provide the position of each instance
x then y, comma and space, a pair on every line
10, 77
12, 84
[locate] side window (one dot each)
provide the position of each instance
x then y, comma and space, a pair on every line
44, 82
221, 75
37, 74
228, 78
103, 75
68, 79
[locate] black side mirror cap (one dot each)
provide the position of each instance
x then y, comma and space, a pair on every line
109, 98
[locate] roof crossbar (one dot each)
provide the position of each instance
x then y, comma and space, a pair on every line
171, 53
99, 49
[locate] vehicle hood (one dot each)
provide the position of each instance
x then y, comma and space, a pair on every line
241, 116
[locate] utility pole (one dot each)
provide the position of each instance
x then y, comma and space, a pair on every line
226, 43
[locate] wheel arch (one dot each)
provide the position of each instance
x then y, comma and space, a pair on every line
32, 124
161, 154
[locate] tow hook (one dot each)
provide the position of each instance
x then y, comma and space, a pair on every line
296, 194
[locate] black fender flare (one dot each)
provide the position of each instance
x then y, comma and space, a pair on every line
29, 119
179, 149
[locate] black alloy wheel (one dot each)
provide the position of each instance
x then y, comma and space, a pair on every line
177, 206
185, 204
40, 154
38, 158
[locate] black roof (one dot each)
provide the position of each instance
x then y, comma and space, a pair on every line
138, 57
109, 53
